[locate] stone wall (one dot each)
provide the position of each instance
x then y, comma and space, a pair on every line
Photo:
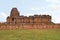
28, 26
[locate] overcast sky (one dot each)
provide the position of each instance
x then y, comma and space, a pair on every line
31, 7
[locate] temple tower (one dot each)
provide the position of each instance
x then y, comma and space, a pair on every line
14, 16
14, 12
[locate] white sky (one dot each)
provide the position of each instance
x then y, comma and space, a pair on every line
31, 7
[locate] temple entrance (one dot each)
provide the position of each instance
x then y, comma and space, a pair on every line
12, 19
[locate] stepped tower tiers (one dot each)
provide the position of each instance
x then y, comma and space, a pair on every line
14, 12
15, 18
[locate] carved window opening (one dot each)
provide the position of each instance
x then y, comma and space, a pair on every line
13, 19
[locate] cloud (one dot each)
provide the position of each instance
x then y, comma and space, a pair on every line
3, 16
35, 9
53, 1
55, 12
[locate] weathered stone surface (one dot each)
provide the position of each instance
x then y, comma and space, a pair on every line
15, 18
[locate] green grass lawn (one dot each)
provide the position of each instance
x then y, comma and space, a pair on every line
35, 34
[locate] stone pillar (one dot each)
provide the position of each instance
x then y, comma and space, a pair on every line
31, 19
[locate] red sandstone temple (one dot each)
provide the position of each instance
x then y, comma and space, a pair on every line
16, 21
15, 18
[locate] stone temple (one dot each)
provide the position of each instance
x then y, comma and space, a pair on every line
15, 18
17, 21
